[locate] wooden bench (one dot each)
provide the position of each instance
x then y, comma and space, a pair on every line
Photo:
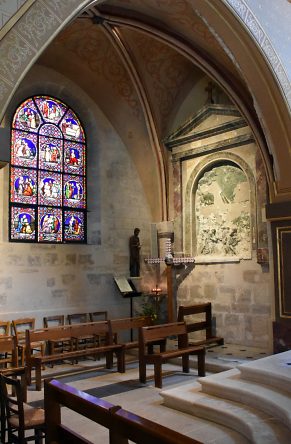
163, 332
131, 326
122, 424
74, 331
198, 325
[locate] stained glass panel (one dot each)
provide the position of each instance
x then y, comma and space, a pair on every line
49, 188
74, 226
24, 149
74, 158
47, 173
50, 130
51, 109
74, 191
23, 185
22, 223
50, 153
27, 117
49, 224
71, 127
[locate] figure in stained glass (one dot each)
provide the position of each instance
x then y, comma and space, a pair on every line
29, 118
73, 190
74, 226
23, 223
50, 223
25, 186
49, 188
25, 148
74, 157
71, 128
50, 110
50, 153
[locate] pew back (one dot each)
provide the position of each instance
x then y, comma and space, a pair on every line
122, 424
205, 326
129, 325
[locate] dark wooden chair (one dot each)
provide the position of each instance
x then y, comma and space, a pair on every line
8, 351
4, 328
53, 321
20, 416
18, 329
5, 357
15, 372
56, 346
96, 316
78, 318
82, 341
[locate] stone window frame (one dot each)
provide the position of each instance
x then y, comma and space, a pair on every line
189, 224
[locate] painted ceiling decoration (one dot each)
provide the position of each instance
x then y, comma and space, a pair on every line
151, 55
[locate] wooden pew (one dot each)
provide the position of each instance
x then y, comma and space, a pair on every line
163, 332
198, 325
73, 331
122, 424
131, 326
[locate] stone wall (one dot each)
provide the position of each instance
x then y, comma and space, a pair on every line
37, 279
240, 294
237, 282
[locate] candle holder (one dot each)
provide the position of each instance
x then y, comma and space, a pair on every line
156, 290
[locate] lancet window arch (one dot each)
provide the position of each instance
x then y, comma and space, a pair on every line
47, 173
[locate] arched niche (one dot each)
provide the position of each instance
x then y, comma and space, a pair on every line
220, 209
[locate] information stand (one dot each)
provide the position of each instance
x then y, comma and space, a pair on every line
127, 290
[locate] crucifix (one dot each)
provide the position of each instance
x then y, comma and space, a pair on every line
170, 262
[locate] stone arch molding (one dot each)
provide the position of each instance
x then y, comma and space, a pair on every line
189, 225
38, 26
30, 35
257, 32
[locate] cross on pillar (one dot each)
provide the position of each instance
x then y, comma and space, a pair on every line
170, 262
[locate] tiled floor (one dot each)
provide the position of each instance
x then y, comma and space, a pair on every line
144, 399
228, 356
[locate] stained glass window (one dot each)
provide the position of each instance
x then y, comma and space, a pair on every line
47, 173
